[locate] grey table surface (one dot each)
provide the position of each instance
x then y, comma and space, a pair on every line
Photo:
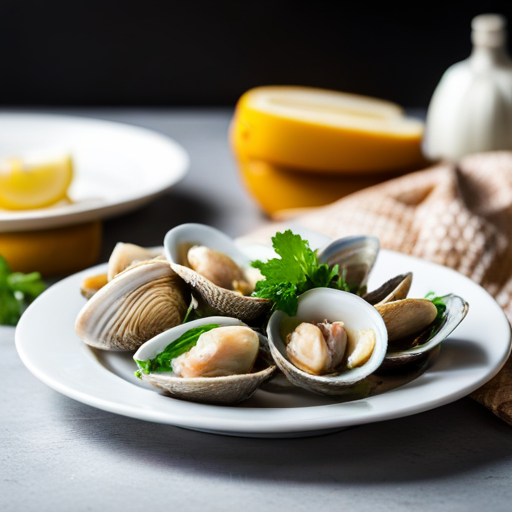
58, 454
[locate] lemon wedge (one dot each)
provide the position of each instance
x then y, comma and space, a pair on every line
34, 182
311, 129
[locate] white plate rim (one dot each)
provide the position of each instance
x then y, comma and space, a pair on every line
171, 153
150, 406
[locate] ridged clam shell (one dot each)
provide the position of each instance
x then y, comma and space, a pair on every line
211, 390
220, 299
406, 317
225, 390
141, 302
224, 301
314, 306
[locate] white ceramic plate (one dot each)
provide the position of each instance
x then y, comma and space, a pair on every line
48, 346
117, 167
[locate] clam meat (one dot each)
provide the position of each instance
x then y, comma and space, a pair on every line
328, 356
219, 369
220, 269
216, 269
317, 348
228, 350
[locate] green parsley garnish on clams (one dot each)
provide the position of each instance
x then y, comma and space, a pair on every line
295, 272
163, 361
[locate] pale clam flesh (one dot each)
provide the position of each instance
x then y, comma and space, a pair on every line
315, 306
219, 389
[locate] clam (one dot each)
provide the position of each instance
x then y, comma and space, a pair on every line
417, 347
139, 303
217, 387
123, 256
406, 317
213, 266
91, 284
396, 288
355, 255
366, 340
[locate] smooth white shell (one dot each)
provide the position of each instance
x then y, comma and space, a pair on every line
201, 234
315, 306
355, 255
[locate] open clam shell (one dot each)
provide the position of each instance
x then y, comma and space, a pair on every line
139, 303
179, 240
125, 254
315, 306
428, 340
396, 288
355, 255
213, 390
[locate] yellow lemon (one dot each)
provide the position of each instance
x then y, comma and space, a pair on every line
315, 129
34, 182
279, 188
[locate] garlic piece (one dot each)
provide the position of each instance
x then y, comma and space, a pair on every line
471, 109
229, 350
360, 347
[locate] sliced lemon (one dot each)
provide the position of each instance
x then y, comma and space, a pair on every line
278, 188
316, 129
34, 182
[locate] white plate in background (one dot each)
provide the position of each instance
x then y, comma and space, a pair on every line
118, 167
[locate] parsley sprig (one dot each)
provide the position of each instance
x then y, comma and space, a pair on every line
163, 361
17, 291
439, 303
296, 271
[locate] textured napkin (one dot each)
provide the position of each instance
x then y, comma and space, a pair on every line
459, 216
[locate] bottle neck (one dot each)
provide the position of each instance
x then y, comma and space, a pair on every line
484, 57
489, 37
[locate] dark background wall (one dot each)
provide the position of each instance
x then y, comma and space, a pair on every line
187, 53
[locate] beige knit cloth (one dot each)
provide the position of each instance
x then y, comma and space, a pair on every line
458, 216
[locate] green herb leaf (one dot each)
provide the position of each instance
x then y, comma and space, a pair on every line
284, 295
295, 272
162, 361
439, 303
17, 291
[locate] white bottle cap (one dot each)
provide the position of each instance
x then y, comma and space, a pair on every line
489, 30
